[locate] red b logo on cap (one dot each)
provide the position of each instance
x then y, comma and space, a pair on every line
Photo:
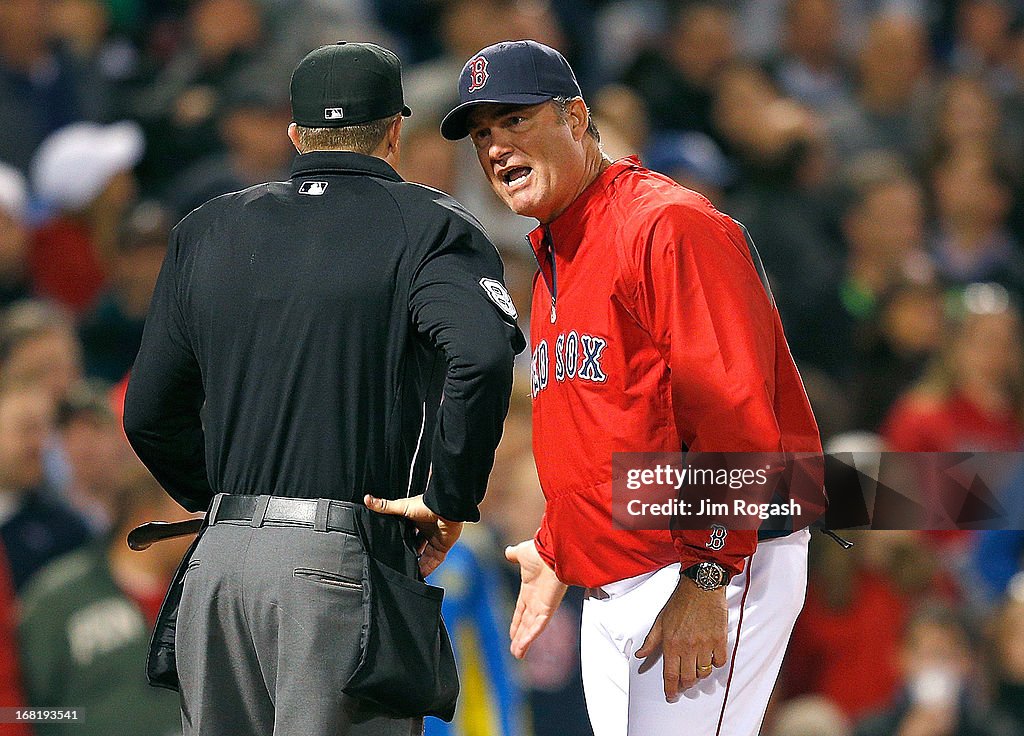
477, 73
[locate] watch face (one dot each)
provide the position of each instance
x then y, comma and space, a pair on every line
709, 576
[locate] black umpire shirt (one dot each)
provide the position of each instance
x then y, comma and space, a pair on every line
341, 333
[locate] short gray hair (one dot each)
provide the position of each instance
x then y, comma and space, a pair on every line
363, 138
562, 105
26, 320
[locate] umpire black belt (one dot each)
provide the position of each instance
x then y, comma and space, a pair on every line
321, 514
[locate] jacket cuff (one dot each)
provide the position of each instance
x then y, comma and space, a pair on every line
691, 547
542, 540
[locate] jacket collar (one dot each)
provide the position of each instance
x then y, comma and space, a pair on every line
342, 162
563, 226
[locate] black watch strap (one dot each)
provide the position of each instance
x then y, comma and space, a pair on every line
707, 575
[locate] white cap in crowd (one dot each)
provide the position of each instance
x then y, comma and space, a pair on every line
73, 165
13, 193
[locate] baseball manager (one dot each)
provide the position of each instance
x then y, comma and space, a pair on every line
652, 331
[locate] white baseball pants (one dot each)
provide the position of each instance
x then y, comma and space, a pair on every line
764, 601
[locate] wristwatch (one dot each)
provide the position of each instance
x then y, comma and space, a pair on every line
707, 575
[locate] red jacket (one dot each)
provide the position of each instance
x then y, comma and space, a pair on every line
65, 264
660, 335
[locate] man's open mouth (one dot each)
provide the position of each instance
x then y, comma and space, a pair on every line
516, 176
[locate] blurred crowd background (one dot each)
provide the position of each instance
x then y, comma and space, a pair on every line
873, 148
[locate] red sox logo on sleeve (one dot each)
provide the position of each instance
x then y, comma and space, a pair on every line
477, 72
717, 538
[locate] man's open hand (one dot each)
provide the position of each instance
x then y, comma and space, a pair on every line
540, 592
434, 535
692, 631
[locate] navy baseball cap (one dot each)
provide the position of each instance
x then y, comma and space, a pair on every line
510, 73
347, 84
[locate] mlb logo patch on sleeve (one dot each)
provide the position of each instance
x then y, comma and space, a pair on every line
313, 188
497, 293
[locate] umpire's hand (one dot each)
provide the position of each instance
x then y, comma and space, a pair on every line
434, 535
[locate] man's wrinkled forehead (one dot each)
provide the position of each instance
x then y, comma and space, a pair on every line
487, 112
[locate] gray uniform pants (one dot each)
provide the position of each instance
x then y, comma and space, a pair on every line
268, 632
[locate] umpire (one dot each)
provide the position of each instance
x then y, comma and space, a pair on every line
300, 341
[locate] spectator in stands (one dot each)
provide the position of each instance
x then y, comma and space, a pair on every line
971, 398
892, 86
693, 160
97, 452
677, 80
249, 126
939, 694
80, 25
426, 158
85, 624
810, 67
227, 46
33, 529
84, 30
845, 644
780, 195
112, 331
38, 346
41, 89
14, 236
983, 40
892, 307
893, 350
621, 117
464, 27
84, 172
968, 116
972, 241
11, 695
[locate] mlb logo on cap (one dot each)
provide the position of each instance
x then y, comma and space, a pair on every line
510, 73
346, 84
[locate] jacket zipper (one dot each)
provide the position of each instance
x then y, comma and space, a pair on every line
553, 285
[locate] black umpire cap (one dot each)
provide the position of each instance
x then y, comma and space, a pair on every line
347, 84
511, 73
